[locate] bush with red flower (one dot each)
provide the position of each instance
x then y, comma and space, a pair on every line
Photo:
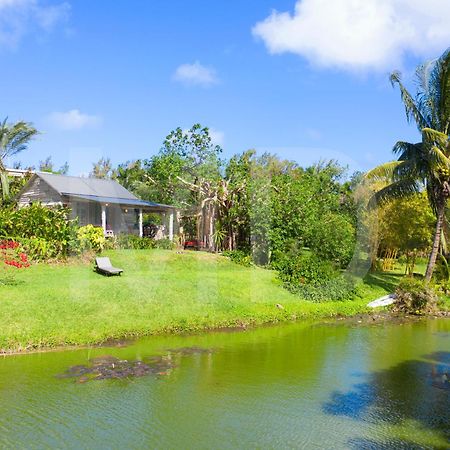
12, 254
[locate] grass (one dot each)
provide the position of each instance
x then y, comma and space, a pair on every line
160, 292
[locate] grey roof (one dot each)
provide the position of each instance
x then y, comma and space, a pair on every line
66, 185
120, 201
97, 190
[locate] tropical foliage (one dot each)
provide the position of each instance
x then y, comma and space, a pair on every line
261, 209
426, 164
91, 238
14, 138
43, 232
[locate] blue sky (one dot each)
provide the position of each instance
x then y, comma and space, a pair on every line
112, 78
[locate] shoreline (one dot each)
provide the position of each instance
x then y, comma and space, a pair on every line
364, 318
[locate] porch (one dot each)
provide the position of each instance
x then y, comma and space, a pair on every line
118, 216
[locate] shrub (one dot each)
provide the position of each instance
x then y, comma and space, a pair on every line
133, 242
12, 254
305, 268
414, 296
336, 289
333, 239
312, 278
40, 249
91, 238
239, 257
44, 232
165, 244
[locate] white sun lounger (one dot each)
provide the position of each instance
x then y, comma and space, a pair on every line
103, 265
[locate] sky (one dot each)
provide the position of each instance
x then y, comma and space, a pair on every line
307, 80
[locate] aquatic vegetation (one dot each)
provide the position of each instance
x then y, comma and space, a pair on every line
110, 367
107, 367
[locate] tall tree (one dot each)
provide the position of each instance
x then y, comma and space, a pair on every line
14, 138
425, 164
194, 155
47, 165
103, 168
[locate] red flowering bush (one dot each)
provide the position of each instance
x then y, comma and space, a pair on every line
12, 254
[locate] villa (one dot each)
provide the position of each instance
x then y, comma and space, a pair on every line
103, 203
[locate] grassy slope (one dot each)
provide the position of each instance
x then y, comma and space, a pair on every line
160, 291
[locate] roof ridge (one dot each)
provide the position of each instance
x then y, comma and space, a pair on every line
75, 176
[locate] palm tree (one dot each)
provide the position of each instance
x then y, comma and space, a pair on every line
14, 138
426, 164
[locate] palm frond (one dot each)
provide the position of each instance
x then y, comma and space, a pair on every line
406, 150
15, 138
435, 136
437, 159
439, 89
411, 108
444, 105
399, 189
411, 168
383, 172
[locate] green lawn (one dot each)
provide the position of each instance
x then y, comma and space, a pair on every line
159, 292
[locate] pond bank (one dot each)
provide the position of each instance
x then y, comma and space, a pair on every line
367, 318
161, 292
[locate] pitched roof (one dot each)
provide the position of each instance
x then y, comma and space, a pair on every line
94, 189
66, 185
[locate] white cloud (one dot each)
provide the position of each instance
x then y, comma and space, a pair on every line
358, 34
73, 120
21, 17
195, 75
217, 137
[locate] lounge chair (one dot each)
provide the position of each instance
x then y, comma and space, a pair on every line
103, 265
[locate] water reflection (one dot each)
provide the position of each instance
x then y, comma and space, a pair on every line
414, 390
293, 386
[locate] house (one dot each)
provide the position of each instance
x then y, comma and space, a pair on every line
103, 203
18, 173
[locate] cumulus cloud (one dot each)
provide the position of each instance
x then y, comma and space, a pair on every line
73, 120
20, 17
358, 34
195, 75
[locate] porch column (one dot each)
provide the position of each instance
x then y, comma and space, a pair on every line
141, 229
171, 225
104, 219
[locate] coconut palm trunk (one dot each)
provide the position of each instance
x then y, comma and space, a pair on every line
436, 242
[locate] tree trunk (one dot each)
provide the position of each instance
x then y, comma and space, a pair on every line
436, 242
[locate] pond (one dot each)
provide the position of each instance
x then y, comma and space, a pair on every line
291, 386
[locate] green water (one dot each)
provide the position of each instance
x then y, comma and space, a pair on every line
292, 386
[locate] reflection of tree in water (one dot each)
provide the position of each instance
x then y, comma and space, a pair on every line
411, 390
